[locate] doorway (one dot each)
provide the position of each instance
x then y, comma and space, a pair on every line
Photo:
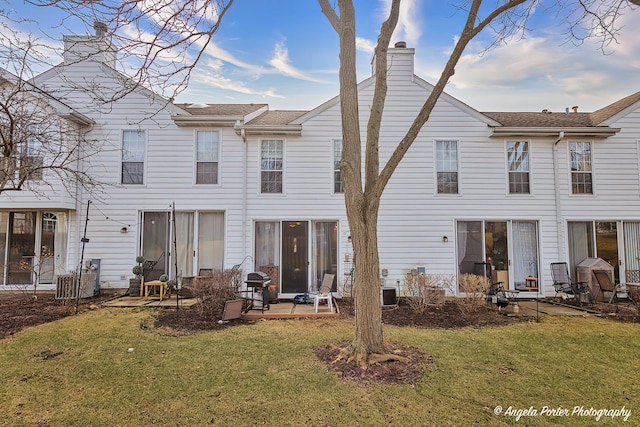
295, 259
510, 247
302, 251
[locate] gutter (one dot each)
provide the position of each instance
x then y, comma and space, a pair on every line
294, 130
222, 121
593, 132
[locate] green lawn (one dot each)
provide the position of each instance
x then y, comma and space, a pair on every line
267, 374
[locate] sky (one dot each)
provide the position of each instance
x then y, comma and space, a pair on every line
285, 53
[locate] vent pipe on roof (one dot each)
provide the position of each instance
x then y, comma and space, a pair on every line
566, 110
401, 45
575, 108
100, 28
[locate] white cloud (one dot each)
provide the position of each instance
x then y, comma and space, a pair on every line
219, 81
280, 62
409, 26
507, 64
365, 45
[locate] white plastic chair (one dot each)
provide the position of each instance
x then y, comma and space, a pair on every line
325, 293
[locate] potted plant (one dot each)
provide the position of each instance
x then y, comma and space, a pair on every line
135, 283
164, 278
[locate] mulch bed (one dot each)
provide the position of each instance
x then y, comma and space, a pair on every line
19, 312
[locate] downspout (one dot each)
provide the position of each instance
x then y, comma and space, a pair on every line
556, 180
243, 135
79, 194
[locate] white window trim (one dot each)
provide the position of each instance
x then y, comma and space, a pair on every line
333, 170
506, 168
284, 162
145, 160
195, 157
593, 169
435, 167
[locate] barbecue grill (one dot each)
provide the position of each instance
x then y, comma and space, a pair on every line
257, 291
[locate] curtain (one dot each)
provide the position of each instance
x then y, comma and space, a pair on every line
525, 251
580, 244
211, 240
60, 244
267, 244
632, 251
469, 239
183, 252
325, 247
155, 240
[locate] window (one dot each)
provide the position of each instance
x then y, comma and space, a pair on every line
32, 160
271, 166
447, 166
132, 157
581, 176
518, 159
338, 183
207, 157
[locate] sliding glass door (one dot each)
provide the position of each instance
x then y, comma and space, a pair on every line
301, 251
509, 247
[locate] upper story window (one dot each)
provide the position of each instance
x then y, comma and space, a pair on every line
271, 160
518, 163
580, 162
338, 183
208, 143
32, 160
447, 166
133, 148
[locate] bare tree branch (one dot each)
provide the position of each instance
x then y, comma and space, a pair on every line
469, 31
161, 42
331, 14
372, 153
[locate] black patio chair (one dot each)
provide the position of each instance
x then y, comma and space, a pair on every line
496, 292
563, 284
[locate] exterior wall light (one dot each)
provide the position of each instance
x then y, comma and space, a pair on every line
123, 230
445, 239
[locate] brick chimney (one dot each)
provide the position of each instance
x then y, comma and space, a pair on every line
400, 61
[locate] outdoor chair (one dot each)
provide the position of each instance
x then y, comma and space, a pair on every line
607, 285
496, 293
563, 285
324, 293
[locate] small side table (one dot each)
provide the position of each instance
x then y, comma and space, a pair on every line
154, 284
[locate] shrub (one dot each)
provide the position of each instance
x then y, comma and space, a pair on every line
633, 292
473, 290
212, 291
426, 290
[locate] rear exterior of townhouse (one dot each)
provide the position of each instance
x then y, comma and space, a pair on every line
243, 185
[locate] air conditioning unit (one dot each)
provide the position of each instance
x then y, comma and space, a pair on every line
388, 297
66, 286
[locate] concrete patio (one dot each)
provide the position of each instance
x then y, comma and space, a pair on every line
282, 310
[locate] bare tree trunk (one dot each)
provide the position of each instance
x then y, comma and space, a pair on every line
368, 338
